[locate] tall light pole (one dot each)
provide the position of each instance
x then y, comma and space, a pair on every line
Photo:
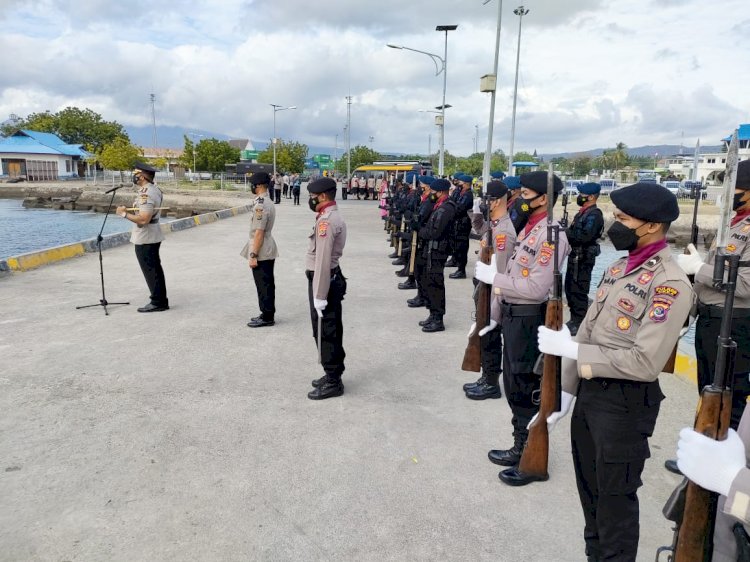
277, 108
348, 138
488, 152
335, 152
520, 12
444, 62
372, 139
194, 135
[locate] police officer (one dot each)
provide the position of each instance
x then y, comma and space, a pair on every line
514, 186
462, 225
418, 220
326, 286
260, 251
435, 236
503, 240
147, 236
524, 288
583, 235
613, 365
408, 205
711, 302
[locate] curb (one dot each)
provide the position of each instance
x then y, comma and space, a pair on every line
32, 260
686, 367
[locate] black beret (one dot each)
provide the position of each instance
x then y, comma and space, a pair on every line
496, 188
260, 178
440, 185
321, 185
537, 181
590, 188
743, 175
143, 167
649, 202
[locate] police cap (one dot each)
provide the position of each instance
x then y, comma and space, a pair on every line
647, 201
512, 182
321, 185
260, 178
497, 175
497, 189
466, 178
590, 188
427, 180
143, 167
743, 175
537, 181
440, 185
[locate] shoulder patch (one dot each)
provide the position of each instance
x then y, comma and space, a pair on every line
322, 228
731, 248
500, 240
258, 213
666, 291
659, 309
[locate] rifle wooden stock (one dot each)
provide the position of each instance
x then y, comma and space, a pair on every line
401, 229
535, 455
712, 420
413, 255
473, 353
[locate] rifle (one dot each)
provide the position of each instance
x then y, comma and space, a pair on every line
694, 533
473, 353
413, 256
535, 457
564, 220
401, 230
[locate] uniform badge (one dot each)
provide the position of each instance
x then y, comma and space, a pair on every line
614, 270
623, 323
731, 248
645, 277
659, 310
144, 198
525, 272
500, 242
536, 229
626, 304
532, 240
600, 293
322, 228
666, 291
524, 260
746, 229
258, 213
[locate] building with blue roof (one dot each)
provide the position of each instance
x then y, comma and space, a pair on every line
36, 156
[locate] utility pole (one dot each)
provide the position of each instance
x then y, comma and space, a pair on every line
335, 152
153, 122
348, 138
488, 152
520, 12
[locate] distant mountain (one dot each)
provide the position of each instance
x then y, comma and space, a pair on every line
649, 150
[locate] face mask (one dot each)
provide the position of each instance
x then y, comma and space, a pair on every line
622, 237
433, 197
252, 188
313, 202
581, 200
134, 178
737, 202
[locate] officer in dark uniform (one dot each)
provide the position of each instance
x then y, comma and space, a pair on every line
583, 235
514, 187
408, 206
326, 286
613, 365
435, 236
418, 219
464, 199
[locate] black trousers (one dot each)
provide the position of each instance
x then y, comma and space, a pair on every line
150, 262
461, 250
520, 351
295, 193
611, 423
491, 345
706, 347
577, 285
277, 194
332, 328
266, 287
285, 190
419, 265
433, 283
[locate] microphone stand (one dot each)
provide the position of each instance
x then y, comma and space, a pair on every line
103, 301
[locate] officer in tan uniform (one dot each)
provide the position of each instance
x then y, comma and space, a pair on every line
524, 288
260, 251
326, 286
147, 235
613, 364
503, 239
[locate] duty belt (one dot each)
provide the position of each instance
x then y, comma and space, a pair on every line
715, 311
309, 273
519, 310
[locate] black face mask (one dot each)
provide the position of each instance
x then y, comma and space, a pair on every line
737, 203
313, 202
581, 200
622, 237
134, 178
253, 189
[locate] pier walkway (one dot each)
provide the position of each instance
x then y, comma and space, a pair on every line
185, 435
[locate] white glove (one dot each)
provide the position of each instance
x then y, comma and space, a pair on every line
475, 208
557, 343
691, 262
486, 273
471, 330
685, 329
488, 328
566, 401
712, 465
320, 305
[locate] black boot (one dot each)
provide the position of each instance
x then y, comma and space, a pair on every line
330, 387
514, 477
393, 255
317, 382
458, 274
399, 261
480, 381
671, 466
508, 457
408, 284
416, 302
402, 273
436, 325
490, 389
573, 327
427, 320
451, 262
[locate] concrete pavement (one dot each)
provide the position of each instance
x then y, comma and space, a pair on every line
185, 435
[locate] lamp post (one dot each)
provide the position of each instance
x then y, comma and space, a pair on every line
194, 135
444, 62
277, 108
348, 130
520, 12
488, 151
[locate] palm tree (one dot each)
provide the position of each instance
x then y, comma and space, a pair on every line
619, 156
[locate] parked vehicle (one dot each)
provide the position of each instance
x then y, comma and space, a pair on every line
608, 185
674, 187
571, 186
690, 187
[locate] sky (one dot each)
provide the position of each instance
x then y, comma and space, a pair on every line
592, 72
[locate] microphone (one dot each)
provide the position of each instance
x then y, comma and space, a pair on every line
113, 189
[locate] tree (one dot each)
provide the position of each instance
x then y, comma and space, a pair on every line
619, 155
290, 156
119, 155
360, 156
74, 126
581, 164
212, 155
186, 160
524, 157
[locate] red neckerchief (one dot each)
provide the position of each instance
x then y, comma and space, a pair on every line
533, 221
424, 197
585, 210
641, 255
740, 217
439, 202
324, 207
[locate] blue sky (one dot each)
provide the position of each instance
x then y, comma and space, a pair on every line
593, 72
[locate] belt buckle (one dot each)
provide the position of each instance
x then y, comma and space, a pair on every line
604, 384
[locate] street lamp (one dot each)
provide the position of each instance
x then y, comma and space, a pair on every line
490, 130
275, 109
520, 12
194, 135
444, 62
